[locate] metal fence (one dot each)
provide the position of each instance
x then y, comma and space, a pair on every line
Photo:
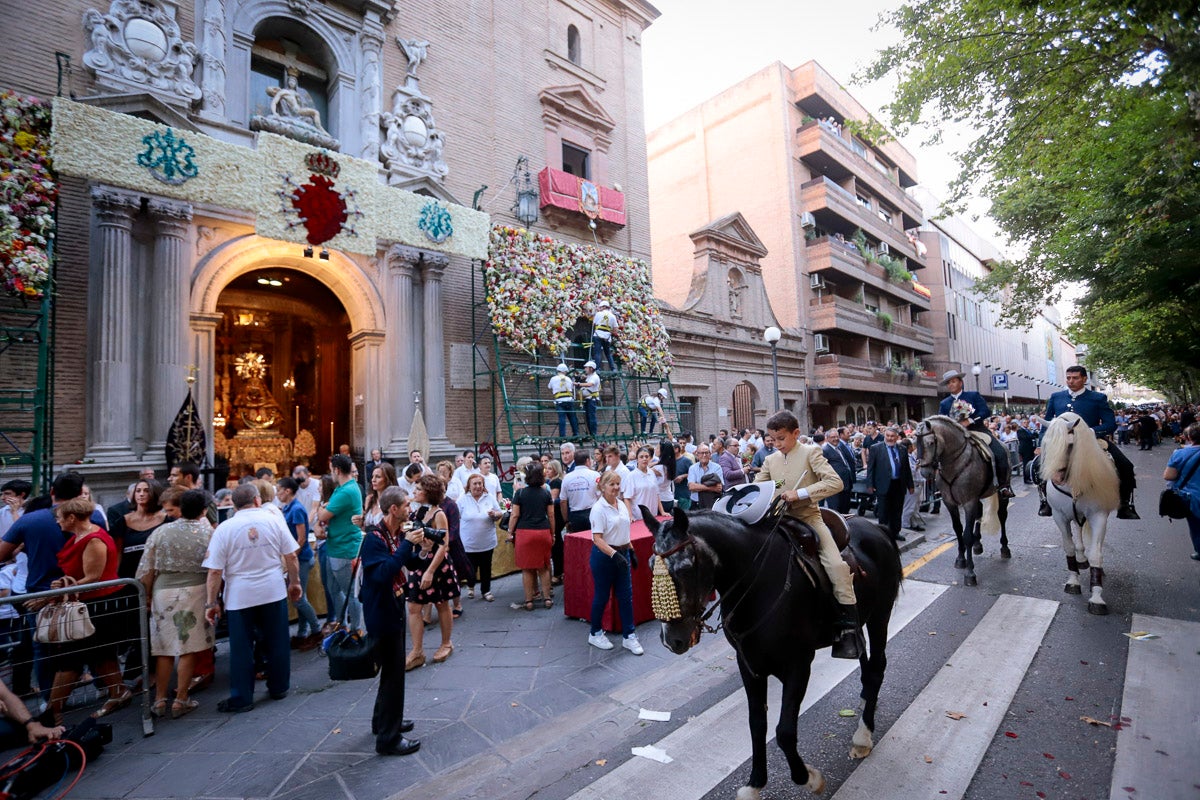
24, 661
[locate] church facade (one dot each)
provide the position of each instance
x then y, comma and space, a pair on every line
287, 317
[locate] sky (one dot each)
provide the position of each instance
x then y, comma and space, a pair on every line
698, 48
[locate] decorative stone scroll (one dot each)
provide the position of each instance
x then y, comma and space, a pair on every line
137, 47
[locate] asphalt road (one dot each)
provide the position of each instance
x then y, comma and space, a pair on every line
1041, 749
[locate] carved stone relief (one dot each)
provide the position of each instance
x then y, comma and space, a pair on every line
137, 46
413, 145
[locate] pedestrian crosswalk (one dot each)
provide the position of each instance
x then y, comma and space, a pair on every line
936, 746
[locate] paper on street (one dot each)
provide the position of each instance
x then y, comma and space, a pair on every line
656, 716
653, 753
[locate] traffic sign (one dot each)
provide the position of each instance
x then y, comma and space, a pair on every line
999, 382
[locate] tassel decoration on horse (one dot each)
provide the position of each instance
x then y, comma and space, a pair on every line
664, 598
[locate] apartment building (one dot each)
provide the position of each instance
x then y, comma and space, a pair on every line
811, 172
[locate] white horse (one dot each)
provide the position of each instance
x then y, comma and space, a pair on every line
1082, 489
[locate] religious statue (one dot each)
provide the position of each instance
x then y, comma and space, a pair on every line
293, 115
414, 51
254, 404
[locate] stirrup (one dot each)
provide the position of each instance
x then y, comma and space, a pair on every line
848, 644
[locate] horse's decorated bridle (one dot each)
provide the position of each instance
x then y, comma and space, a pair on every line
664, 593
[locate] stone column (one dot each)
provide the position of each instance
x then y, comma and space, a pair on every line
366, 352
203, 353
212, 60
433, 395
370, 93
170, 292
402, 265
111, 424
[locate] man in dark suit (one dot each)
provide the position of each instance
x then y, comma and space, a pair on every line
1097, 414
952, 379
843, 466
1026, 443
889, 477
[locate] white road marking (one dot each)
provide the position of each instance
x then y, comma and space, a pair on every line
711, 746
986, 669
1158, 749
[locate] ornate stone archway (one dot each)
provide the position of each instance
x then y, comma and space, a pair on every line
352, 286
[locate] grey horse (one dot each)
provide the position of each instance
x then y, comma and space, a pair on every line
965, 479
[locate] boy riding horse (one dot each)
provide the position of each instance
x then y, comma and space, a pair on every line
952, 379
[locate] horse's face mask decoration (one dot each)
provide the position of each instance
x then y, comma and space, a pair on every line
680, 583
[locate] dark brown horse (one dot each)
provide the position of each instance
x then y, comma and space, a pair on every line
775, 617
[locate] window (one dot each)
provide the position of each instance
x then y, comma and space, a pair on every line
576, 161
574, 46
687, 413
858, 147
1025, 350
862, 201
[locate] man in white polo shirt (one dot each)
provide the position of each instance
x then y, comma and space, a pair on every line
579, 493
247, 551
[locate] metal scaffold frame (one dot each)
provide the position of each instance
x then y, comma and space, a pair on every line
516, 383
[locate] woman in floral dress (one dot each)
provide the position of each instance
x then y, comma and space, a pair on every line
431, 576
172, 572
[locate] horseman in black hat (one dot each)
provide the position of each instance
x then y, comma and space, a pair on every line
1097, 414
953, 381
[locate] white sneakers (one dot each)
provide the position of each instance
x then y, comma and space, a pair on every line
630, 642
599, 640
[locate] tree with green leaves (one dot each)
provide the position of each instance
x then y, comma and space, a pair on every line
1086, 120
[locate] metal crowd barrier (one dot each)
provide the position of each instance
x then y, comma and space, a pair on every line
20, 639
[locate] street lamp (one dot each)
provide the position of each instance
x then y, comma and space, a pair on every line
976, 370
772, 336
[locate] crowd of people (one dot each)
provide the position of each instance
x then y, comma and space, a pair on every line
423, 537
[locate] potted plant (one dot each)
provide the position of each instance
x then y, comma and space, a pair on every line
884, 319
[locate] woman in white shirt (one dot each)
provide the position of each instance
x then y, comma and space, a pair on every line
640, 486
491, 481
478, 513
609, 562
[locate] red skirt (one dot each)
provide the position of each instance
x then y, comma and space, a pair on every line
532, 549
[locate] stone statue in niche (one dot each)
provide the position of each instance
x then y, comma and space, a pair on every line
137, 47
735, 297
293, 115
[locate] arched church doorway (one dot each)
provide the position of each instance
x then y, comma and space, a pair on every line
282, 364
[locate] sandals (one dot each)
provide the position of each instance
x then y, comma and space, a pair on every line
489, 597
413, 661
457, 613
549, 602
181, 707
114, 704
159, 709
443, 653
526, 606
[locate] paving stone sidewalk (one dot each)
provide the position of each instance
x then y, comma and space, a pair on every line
519, 689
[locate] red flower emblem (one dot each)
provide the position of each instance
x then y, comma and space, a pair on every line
322, 209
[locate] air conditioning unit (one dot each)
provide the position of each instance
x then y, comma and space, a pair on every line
883, 248
815, 281
820, 343
807, 220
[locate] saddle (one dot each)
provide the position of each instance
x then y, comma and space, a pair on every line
982, 443
806, 548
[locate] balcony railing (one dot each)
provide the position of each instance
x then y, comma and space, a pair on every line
816, 136
572, 194
833, 313
836, 371
822, 193
827, 253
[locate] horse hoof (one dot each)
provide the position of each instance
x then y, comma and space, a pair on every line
970, 580
1073, 588
960, 563
1099, 609
977, 549
816, 781
859, 752
1005, 552
749, 793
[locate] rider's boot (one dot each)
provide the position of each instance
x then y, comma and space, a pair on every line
1044, 508
1127, 511
847, 643
1003, 471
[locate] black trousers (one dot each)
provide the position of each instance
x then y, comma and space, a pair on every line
481, 567
388, 714
579, 521
892, 508
1124, 471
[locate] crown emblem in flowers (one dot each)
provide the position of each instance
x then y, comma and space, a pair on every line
961, 410
317, 205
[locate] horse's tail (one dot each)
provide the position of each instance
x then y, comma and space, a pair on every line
989, 523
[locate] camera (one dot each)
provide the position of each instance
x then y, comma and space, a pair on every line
435, 535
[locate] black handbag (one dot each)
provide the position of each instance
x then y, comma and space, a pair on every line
351, 656
1174, 504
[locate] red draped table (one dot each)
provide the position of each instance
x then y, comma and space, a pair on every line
577, 578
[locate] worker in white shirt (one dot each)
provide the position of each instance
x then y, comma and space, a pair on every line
589, 390
650, 409
603, 325
562, 388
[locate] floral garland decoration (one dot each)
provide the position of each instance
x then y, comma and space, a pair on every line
28, 193
538, 287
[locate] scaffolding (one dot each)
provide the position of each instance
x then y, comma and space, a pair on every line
519, 401
27, 390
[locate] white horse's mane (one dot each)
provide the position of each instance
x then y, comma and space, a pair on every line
1086, 466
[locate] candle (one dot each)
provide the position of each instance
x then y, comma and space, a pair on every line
332, 449
297, 432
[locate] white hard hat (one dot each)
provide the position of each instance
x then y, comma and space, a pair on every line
604, 304
591, 364
662, 392
562, 367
